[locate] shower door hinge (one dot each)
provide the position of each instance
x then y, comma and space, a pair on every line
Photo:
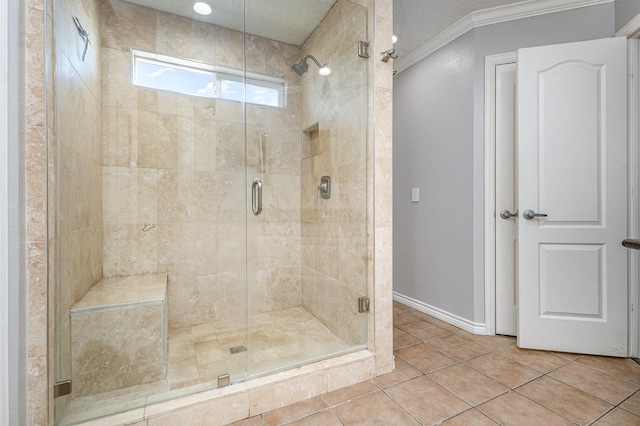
62, 388
363, 49
363, 304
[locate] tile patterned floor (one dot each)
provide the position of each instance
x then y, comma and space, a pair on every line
448, 376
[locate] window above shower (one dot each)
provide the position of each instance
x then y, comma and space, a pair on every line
195, 78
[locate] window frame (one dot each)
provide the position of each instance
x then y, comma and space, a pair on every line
218, 74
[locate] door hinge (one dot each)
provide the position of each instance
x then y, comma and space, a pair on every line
363, 304
363, 49
62, 388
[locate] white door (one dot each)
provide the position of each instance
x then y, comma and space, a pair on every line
573, 169
506, 226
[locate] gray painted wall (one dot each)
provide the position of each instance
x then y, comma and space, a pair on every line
626, 10
433, 130
439, 147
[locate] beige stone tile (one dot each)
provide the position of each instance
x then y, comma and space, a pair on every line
619, 417
565, 400
400, 306
384, 184
37, 390
187, 38
401, 373
251, 421
568, 355
125, 25
471, 417
277, 395
349, 374
376, 408
323, 418
403, 316
538, 360
632, 403
37, 299
424, 357
457, 347
412, 395
622, 368
294, 411
219, 411
594, 382
515, 409
402, 339
422, 330
503, 369
439, 323
465, 382
208, 351
350, 392
489, 342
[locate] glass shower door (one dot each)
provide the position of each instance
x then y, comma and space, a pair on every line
148, 183
307, 153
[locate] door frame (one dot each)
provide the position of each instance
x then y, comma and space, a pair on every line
633, 206
633, 183
490, 64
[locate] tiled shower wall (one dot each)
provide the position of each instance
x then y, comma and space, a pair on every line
76, 186
174, 171
334, 110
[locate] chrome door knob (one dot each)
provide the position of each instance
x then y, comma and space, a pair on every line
530, 214
506, 214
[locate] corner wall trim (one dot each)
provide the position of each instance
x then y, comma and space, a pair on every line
632, 29
465, 324
494, 15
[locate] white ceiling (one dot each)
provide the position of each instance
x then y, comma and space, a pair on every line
417, 21
291, 21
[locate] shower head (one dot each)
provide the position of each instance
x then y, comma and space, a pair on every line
302, 68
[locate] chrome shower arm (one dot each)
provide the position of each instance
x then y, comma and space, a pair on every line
314, 60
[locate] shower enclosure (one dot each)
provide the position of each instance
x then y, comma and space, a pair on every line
208, 198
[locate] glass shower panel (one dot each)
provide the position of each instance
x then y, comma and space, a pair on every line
307, 251
149, 206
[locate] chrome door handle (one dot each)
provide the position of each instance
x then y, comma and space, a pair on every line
506, 214
256, 197
530, 214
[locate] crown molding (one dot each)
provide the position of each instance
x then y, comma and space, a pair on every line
632, 29
494, 15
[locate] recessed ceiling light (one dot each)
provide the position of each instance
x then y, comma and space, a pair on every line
202, 8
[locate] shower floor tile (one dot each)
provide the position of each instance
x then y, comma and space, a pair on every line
277, 340
197, 355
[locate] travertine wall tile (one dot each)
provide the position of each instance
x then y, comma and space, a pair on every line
383, 303
215, 412
117, 348
336, 108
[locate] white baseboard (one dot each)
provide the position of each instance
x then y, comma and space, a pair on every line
465, 324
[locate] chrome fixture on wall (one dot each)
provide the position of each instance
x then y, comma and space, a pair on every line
324, 189
301, 67
388, 54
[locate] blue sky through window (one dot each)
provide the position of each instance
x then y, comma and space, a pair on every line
188, 81
162, 72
